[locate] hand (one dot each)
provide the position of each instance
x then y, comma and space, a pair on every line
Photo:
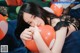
27, 34
36, 32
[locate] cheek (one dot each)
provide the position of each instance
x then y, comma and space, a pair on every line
24, 18
32, 24
40, 22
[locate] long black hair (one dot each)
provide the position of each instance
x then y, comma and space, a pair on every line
33, 9
67, 20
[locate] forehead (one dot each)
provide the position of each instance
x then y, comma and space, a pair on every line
27, 16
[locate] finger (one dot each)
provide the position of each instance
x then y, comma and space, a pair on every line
31, 28
28, 33
28, 30
37, 29
25, 37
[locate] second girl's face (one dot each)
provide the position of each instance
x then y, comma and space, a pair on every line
32, 20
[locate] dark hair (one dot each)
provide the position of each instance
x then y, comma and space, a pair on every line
66, 20
33, 9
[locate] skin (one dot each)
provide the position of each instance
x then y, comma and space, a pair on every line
33, 30
31, 20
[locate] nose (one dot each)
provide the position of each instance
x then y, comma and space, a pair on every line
32, 25
35, 24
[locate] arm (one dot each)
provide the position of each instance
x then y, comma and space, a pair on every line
42, 47
60, 38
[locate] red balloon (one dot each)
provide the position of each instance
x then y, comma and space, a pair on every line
3, 27
47, 33
14, 2
57, 9
1, 34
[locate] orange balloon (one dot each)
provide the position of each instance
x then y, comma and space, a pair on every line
2, 18
3, 27
57, 8
14, 2
47, 33
1, 34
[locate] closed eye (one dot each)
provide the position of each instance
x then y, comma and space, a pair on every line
29, 22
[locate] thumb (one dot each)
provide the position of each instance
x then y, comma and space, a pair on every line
37, 29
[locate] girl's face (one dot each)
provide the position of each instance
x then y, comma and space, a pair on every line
32, 20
